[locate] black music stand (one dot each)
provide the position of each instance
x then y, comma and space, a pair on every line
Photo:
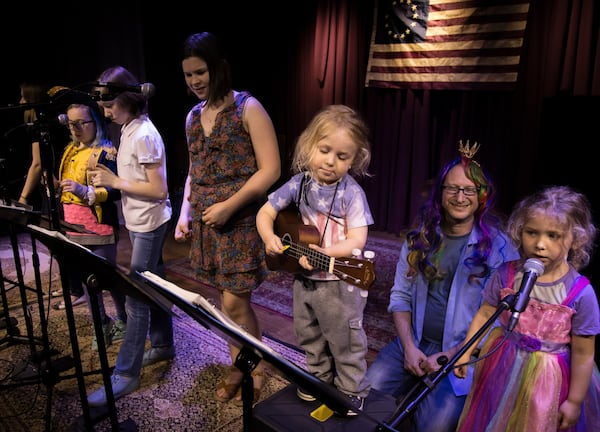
45, 369
252, 349
100, 273
19, 215
16, 215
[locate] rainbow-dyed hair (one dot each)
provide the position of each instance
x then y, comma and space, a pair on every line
425, 240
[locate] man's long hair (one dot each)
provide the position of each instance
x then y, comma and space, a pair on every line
425, 240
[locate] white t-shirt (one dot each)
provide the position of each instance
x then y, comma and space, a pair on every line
142, 144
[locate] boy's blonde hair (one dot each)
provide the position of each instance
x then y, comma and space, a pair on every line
334, 117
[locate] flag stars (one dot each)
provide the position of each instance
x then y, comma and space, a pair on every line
404, 29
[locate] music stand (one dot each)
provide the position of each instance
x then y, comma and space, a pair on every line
19, 215
16, 215
100, 273
252, 349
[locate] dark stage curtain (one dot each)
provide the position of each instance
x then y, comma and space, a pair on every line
414, 132
329, 63
534, 136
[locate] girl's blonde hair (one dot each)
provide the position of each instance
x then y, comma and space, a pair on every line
570, 208
329, 119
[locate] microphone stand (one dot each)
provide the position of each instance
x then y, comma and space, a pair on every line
48, 174
45, 112
406, 406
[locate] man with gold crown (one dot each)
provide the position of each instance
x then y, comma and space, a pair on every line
453, 248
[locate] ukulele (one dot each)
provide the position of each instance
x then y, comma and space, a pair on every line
295, 236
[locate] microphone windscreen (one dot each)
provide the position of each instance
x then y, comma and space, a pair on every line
534, 265
147, 89
63, 119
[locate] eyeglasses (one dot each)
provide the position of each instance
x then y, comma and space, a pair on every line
79, 124
467, 190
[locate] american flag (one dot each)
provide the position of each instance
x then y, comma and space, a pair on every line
447, 44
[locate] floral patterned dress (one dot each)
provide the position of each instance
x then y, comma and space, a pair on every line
232, 257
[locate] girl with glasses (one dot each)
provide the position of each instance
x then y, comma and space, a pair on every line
91, 206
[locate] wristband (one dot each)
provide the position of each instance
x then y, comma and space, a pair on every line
91, 195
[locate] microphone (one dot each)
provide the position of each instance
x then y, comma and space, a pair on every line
533, 268
145, 89
58, 92
68, 95
63, 119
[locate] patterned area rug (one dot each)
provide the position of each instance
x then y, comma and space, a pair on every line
276, 292
173, 396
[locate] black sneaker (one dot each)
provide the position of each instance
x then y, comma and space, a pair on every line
304, 395
357, 402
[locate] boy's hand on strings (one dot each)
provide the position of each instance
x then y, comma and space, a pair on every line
303, 261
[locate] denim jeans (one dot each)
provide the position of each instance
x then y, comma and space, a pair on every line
146, 254
78, 287
439, 411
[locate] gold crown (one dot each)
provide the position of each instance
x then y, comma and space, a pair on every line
466, 150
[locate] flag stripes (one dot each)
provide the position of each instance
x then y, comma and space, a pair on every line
447, 44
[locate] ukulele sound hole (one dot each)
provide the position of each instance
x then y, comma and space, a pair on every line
286, 239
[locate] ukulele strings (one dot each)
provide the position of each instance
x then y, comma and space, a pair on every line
320, 259
316, 258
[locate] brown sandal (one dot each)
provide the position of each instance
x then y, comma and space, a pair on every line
256, 390
230, 388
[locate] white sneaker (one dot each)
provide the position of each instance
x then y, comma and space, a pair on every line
358, 403
304, 395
